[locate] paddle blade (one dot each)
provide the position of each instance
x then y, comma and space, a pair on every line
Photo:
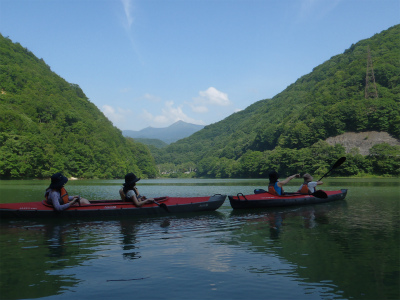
339, 162
164, 206
320, 194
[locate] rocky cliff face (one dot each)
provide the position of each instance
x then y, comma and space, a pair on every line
363, 140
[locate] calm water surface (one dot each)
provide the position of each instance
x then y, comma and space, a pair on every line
343, 250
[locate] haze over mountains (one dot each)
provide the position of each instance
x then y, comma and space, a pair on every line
170, 134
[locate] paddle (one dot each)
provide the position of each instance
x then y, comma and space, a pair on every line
337, 164
79, 199
162, 205
320, 194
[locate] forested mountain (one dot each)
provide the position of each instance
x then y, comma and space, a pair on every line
287, 132
170, 134
152, 142
48, 125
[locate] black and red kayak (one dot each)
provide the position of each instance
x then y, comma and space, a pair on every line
265, 199
113, 208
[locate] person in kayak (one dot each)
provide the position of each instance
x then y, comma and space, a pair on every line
308, 186
275, 186
57, 195
130, 192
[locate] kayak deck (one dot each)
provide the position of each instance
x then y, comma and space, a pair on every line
263, 200
103, 208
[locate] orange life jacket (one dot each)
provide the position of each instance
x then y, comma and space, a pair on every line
63, 196
271, 189
304, 189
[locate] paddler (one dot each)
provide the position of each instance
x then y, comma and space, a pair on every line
308, 186
57, 195
275, 186
129, 192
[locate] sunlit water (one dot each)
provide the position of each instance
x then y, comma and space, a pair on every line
343, 250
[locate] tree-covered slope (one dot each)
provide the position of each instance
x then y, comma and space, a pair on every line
49, 125
327, 102
324, 103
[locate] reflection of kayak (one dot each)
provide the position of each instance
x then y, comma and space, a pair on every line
266, 199
106, 208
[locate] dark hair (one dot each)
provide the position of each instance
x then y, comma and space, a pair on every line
57, 181
127, 187
130, 181
273, 177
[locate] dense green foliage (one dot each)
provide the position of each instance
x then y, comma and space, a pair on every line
152, 142
48, 125
286, 132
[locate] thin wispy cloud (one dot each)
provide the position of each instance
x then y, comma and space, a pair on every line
316, 9
128, 10
127, 21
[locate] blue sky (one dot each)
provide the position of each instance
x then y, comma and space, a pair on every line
154, 62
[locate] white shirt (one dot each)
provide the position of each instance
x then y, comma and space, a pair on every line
131, 193
311, 186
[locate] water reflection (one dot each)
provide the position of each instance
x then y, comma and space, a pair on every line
43, 257
275, 218
36, 255
128, 232
30, 253
329, 243
341, 250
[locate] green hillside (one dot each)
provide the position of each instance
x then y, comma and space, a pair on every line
152, 142
287, 132
49, 125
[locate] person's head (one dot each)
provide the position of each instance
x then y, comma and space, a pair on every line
307, 177
57, 181
273, 177
130, 180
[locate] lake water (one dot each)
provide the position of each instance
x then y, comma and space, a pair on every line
343, 250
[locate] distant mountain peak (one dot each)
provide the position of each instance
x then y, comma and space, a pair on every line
176, 131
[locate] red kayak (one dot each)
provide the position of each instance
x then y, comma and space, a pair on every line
106, 208
265, 199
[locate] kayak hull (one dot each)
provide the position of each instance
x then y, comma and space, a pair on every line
265, 200
113, 208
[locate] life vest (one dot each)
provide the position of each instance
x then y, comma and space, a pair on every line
64, 199
304, 189
273, 189
123, 195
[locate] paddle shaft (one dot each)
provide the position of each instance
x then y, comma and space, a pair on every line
337, 164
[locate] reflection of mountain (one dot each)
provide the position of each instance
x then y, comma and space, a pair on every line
325, 250
35, 256
32, 254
